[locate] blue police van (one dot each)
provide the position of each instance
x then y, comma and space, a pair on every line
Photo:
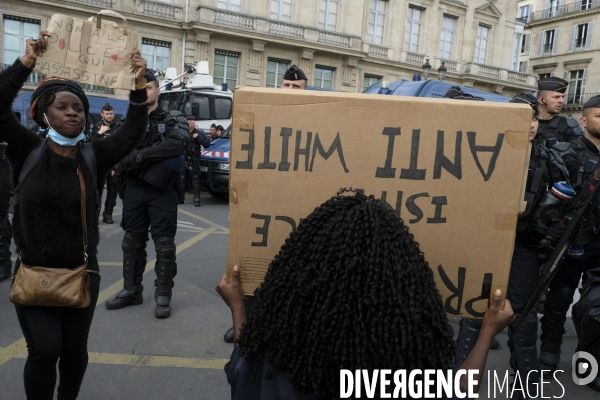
23, 110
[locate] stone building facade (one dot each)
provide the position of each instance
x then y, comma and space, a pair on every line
344, 45
563, 42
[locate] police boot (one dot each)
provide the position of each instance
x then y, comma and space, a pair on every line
523, 357
196, 185
467, 336
131, 294
556, 306
166, 269
109, 204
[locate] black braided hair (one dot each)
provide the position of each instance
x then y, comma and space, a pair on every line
48, 97
349, 289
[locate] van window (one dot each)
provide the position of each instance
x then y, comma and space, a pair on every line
168, 101
222, 108
203, 104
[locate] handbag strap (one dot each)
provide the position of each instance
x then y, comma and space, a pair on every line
83, 212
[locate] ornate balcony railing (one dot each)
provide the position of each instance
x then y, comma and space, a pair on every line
289, 30
578, 99
415, 58
452, 66
378, 51
517, 77
334, 38
159, 9
99, 3
489, 71
553, 12
233, 19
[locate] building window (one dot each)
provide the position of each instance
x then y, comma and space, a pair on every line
157, 53
526, 43
377, 21
548, 42
447, 36
230, 5
328, 14
517, 46
548, 75
16, 32
413, 29
226, 68
281, 10
586, 4
276, 69
524, 12
324, 76
370, 80
581, 36
481, 44
553, 10
523, 66
576, 86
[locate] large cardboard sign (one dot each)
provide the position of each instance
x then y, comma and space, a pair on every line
453, 170
95, 53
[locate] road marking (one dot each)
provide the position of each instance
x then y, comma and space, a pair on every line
226, 230
17, 347
118, 285
143, 360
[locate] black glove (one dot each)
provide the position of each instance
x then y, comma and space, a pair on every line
557, 229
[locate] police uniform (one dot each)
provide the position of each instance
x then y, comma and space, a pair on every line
111, 187
150, 201
196, 145
580, 158
559, 128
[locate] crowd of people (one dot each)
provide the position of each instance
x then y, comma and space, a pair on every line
350, 288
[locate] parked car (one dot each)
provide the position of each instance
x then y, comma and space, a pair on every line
214, 165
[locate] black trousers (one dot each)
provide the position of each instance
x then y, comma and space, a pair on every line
524, 275
111, 194
57, 333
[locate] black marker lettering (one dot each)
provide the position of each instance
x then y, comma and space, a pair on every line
457, 292
413, 208
285, 134
441, 161
336, 145
266, 164
302, 151
495, 150
413, 173
264, 230
249, 147
439, 201
387, 171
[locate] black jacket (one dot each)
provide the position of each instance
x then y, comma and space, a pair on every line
112, 129
202, 140
47, 219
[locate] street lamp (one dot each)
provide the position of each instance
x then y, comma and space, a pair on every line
442, 71
426, 69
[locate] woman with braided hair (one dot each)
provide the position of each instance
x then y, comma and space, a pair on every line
349, 289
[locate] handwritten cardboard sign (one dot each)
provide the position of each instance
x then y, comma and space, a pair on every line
453, 170
79, 51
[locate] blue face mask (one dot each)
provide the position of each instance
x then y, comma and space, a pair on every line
62, 140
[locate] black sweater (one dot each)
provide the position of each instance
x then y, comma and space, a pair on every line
47, 219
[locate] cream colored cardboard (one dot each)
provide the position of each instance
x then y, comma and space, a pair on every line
453, 170
79, 51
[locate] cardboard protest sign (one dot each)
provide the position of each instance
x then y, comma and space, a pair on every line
95, 53
453, 170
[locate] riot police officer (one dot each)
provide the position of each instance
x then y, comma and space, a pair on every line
580, 158
150, 201
104, 129
6, 192
198, 140
551, 97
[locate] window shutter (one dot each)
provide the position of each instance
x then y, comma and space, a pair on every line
572, 38
584, 81
546, 9
590, 35
556, 40
540, 44
527, 42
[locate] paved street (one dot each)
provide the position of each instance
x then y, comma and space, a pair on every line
135, 356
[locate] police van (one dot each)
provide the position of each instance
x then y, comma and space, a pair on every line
209, 104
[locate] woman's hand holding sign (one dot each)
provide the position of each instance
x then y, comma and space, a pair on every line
35, 48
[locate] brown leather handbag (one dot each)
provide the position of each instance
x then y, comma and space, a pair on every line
55, 287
